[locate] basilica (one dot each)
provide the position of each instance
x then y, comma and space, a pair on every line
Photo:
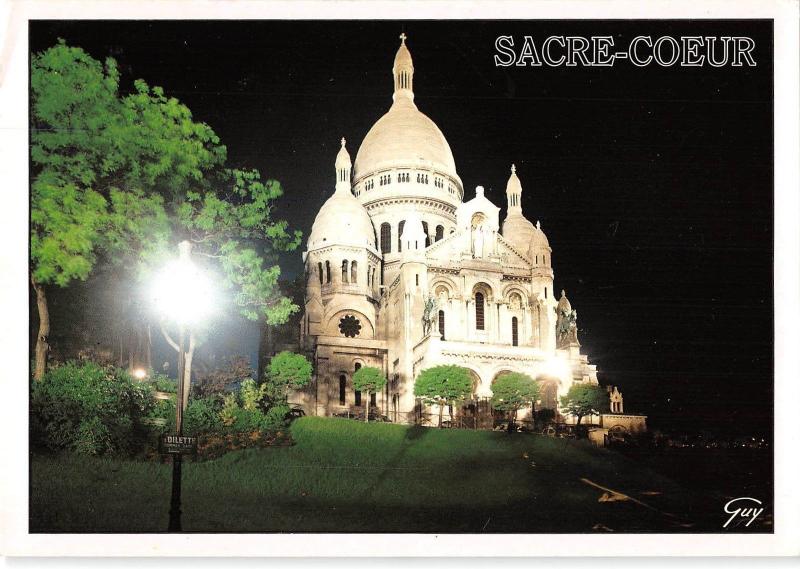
404, 271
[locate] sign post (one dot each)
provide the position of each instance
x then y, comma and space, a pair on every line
177, 457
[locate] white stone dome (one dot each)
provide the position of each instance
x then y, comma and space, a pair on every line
518, 231
539, 239
342, 220
404, 137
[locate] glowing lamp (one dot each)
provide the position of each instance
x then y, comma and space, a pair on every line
182, 291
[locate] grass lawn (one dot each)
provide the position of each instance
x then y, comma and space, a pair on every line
345, 476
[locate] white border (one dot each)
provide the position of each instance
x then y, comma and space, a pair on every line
13, 284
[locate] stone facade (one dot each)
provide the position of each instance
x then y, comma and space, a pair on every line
403, 274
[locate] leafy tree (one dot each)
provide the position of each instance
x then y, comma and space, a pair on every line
127, 178
96, 164
443, 385
368, 380
286, 371
585, 399
513, 391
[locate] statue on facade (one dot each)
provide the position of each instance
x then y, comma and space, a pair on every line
428, 317
566, 324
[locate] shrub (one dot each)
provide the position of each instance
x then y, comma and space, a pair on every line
249, 418
287, 370
202, 416
276, 418
88, 408
164, 383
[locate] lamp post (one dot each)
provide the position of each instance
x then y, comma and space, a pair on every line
183, 296
177, 459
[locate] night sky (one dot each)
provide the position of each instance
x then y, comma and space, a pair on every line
653, 185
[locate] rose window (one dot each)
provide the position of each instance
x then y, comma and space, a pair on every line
350, 326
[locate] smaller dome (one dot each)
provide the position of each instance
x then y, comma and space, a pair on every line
518, 231
342, 220
539, 239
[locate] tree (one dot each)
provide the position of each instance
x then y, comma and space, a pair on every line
287, 370
97, 168
443, 385
368, 380
585, 399
513, 391
124, 179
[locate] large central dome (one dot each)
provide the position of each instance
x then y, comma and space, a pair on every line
404, 137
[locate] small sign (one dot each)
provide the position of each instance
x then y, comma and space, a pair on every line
173, 444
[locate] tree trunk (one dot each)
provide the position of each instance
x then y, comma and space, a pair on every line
187, 369
42, 347
579, 419
148, 350
441, 410
369, 400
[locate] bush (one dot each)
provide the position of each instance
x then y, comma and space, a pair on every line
202, 416
276, 418
164, 383
89, 409
249, 418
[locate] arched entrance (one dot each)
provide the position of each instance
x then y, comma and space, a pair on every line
476, 412
548, 396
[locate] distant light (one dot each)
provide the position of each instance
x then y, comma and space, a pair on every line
139, 373
183, 292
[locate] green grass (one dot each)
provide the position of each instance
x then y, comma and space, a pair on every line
345, 476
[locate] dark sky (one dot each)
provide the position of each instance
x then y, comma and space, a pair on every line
653, 185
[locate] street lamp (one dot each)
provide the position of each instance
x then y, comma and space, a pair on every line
182, 294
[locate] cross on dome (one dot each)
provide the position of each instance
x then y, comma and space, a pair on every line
513, 169
343, 142
403, 37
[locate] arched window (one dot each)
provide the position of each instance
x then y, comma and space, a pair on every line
425, 230
344, 271
354, 272
319, 270
514, 331
441, 323
439, 232
479, 310
342, 389
386, 238
358, 393
327, 272
545, 292
399, 234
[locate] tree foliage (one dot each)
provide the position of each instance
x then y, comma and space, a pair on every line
369, 380
584, 399
123, 179
513, 391
286, 371
443, 385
